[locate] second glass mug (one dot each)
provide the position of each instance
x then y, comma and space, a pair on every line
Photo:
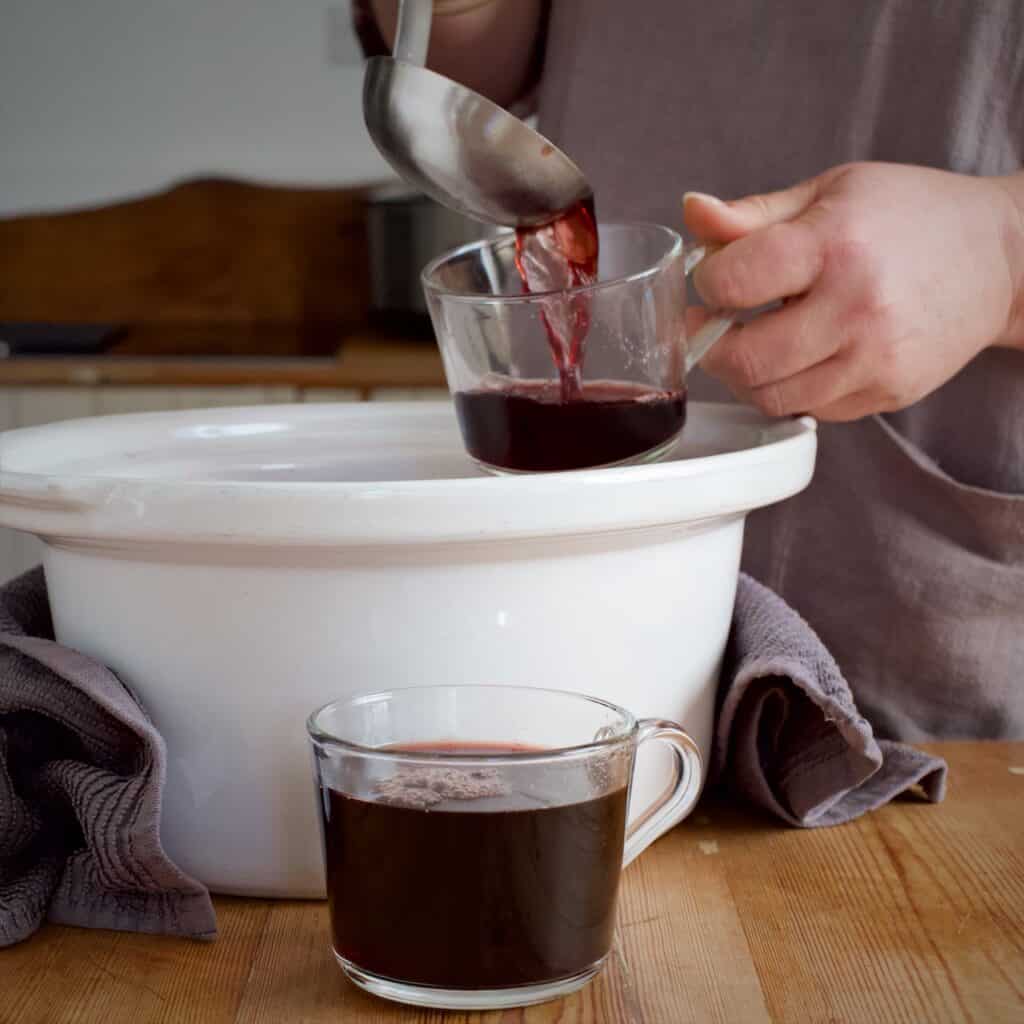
474, 837
498, 360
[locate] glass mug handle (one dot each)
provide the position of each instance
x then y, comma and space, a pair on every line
681, 795
700, 344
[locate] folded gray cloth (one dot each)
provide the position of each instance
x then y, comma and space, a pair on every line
82, 768
81, 780
788, 735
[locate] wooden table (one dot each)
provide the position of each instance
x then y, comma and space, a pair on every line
914, 913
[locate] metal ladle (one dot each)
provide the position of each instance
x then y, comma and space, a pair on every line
472, 155
457, 146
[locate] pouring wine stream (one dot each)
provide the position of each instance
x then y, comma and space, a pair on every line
475, 157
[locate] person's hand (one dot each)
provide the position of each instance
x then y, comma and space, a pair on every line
892, 279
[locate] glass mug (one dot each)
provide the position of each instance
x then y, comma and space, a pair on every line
474, 837
496, 344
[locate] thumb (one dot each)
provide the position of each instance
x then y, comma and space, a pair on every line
713, 220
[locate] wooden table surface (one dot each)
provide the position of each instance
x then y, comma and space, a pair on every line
914, 913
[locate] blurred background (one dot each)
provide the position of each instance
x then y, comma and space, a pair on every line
191, 214
105, 99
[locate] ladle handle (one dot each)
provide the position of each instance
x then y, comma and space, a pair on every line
413, 34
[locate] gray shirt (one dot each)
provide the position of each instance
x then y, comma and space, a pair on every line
906, 553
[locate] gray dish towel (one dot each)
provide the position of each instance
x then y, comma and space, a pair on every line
82, 768
81, 780
788, 735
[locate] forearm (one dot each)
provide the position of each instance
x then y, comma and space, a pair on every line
1012, 187
488, 46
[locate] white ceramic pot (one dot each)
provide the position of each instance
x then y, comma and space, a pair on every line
239, 567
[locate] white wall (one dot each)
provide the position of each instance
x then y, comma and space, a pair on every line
102, 99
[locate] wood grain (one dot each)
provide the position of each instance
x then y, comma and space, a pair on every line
364, 362
206, 252
914, 913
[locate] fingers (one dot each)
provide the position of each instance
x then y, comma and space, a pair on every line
771, 253
780, 261
774, 346
791, 361
709, 219
827, 385
831, 390
712, 220
772, 207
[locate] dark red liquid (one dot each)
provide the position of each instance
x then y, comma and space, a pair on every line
530, 426
527, 425
474, 879
554, 257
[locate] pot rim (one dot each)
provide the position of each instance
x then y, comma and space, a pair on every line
78, 506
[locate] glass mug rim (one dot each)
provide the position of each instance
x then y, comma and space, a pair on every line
628, 723
677, 248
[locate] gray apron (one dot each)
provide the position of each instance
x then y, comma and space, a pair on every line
906, 553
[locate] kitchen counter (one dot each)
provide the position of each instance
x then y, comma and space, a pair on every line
364, 361
912, 913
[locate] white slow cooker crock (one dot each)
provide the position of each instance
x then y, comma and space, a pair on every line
239, 567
